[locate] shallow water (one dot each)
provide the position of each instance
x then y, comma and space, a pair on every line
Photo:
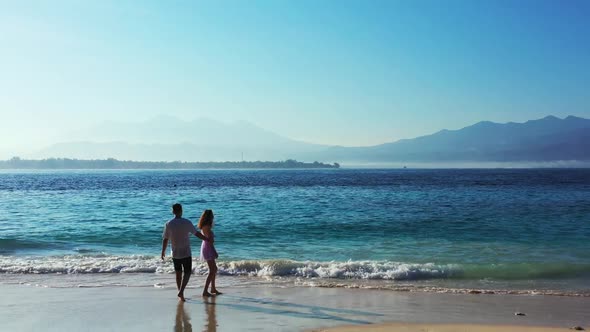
507, 226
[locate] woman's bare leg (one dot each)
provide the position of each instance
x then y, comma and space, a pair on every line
209, 279
213, 288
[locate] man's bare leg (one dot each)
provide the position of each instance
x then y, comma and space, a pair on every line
185, 279
178, 279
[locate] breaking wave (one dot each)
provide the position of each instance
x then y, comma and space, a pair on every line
368, 270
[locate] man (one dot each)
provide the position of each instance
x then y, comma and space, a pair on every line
177, 231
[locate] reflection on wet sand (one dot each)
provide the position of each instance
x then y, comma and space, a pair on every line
211, 322
183, 320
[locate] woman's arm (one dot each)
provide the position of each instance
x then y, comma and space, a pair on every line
215, 251
202, 237
209, 234
206, 236
196, 232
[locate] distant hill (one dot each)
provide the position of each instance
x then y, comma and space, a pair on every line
543, 140
167, 130
547, 139
167, 139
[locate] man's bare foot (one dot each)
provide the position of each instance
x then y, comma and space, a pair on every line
181, 297
206, 294
216, 292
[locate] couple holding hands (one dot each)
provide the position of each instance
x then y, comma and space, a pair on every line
177, 231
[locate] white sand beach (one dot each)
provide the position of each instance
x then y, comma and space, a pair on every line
406, 327
33, 308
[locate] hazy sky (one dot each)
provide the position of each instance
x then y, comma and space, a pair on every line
332, 72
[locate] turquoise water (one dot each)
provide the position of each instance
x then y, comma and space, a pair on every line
393, 225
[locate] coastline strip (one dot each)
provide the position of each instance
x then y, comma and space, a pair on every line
412, 327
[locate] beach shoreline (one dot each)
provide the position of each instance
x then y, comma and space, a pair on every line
61, 280
30, 308
407, 327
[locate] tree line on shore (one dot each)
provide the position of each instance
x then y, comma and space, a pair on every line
111, 163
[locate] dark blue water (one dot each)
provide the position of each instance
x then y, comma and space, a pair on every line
368, 224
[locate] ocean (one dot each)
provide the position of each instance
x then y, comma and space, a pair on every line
523, 231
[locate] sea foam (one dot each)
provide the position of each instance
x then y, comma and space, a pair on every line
86, 264
362, 270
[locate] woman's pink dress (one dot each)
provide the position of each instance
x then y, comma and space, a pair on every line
207, 250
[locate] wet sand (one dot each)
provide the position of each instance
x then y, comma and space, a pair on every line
31, 308
405, 327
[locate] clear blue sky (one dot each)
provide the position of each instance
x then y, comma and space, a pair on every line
333, 72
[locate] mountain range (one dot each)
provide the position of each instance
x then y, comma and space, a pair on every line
549, 139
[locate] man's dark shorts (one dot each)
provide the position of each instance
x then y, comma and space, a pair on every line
181, 264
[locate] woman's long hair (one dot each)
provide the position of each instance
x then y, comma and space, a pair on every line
206, 219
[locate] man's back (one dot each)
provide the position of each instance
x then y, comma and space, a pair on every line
177, 231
